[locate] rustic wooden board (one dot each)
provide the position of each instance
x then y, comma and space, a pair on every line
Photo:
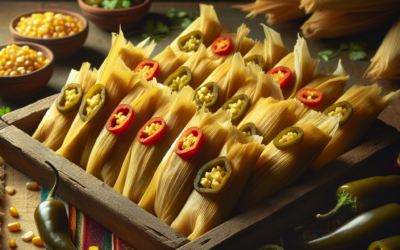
88, 194
2, 124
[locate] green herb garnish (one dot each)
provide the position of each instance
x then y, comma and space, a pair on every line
4, 111
355, 51
115, 4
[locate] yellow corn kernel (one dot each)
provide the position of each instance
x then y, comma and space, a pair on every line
9, 190
13, 73
2, 72
93, 248
14, 212
14, 226
32, 185
28, 236
37, 241
12, 243
37, 65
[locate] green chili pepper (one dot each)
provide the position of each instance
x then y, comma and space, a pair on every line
89, 112
180, 78
292, 140
256, 59
237, 106
248, 128
67, 103
191, 41
369, 226
343, 105
363, 195
206, 169
391, 243
210, 96
270, 247
52, 221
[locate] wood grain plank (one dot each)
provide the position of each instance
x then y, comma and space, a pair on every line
304, 199
28, 118
2, 124
88, 194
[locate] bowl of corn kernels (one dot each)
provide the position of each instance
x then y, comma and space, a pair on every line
25, 68
63, 32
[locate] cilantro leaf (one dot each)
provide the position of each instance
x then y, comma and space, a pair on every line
357, 55
324, 57
325, 52
186, 22
126, 4
344, 46
358, 46
4, 111
161, 28
181, 14
170, 13
1, 112
7, 110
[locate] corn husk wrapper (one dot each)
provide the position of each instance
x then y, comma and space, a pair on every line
203, 212
54, 126
240, 43
367, 105
350, 6
142, 161
258, 84
201, 66
118, 80
207, 23
304, 68
287, 61
332, 86
257, 49
109, 151
331, 23
271, 116
132, 55
275, 10
173, 181
386, 62
277, 169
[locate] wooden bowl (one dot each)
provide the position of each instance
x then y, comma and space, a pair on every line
62, 47
23, 86
110, 20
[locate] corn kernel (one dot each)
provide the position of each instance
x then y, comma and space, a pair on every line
9, 190
13, 212
12, 243
32, 185
28, 236
14, 226
14, 59
37, 241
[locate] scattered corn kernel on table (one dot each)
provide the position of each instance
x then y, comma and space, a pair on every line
97, 46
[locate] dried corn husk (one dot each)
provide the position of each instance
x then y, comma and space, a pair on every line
132, 55
287, 61
275, 10
277, 169
240, 43
367, 105
304, 67
110, 149
271, 116
54, 126
350, 6
332, 86
203, 212
257, 49
332, 23
201, 66
173, 181
385, 64
142, 161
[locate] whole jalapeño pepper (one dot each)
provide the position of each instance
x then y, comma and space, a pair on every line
52, 221
391, 243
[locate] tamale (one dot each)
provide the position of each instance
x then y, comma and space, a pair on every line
202, 211
275, 10
367, 105
332, 23
277, 169
173, 181
109, 151
271, 116
287, 61
386, 62
142, 161
54, 126
132, 55
350, 6
332, 86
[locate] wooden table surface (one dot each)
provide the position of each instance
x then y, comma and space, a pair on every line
98, 44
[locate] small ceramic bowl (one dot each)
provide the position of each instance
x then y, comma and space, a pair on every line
110, 20
62, 47
24, 86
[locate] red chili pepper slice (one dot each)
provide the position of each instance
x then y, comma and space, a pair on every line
310, 97
120, 119
222, 45
281, 75
189, 142
149, 69
152, 131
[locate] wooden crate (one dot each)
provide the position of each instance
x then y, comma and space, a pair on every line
284, 210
